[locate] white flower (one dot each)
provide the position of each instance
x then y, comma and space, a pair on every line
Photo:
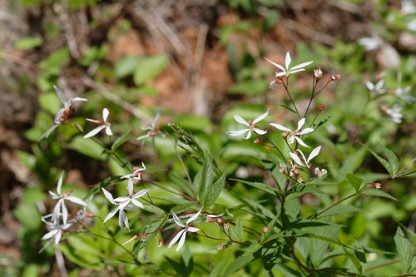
60, 207
302, 161
123, 204
295, 135
55, 230
376, 88
395, 113
182, 233
152, 129
287, 70
320, 172
251, 124
103, 125
370, 43
134, 177
63, 114
402, 93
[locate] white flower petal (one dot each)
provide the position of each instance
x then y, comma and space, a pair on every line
137, 203
58, 237
76, 200
300, 141
276, 65
181, 242
300, 124
288, 60
48, 132
280, 127
110, 214
140, 193
193, 229
108, 131
53, 195
50, 234
239, 119
237, 133
301, 65
94, 131
108, 195
314, 153
261, 117
60, 95
177, 220
64, 212
130, 186
79, 99
280, 74
105, 114
176, 238
291, 139
369, 85
296, 159
61, 180
306, 131
248, 135
259, 131
192, 218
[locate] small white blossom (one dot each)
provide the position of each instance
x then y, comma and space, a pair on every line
251, 124
55, 230
63, 114
395, 113
134, 177
370, 43
287, 70
152, 130
295, 135
103, 124
402, 93
181, 235
302, 161
320, 172
60, 207
123, 204
375, 89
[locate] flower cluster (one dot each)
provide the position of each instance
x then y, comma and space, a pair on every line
59, 221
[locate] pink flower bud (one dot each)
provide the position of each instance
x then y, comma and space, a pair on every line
335, 77
265, 230
322, 107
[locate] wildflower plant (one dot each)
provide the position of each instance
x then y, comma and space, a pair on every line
256, 225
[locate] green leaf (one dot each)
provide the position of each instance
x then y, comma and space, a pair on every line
121, 140
205, 180
87, 147
153, 209
242, 261
355, 181
249, 87
148, 68
405, 249
27, 43
239, 230
215, 190
258, 185
378, 192
392, 162
339, 209
126, 66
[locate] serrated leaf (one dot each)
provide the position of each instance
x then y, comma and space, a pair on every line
354, 181
405, 250
205, 179
379, 193
239, 230
153, 209
214, 191
289, 109
121, 140
339, 209
392, 162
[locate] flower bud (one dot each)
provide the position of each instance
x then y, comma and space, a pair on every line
257, 141
317, 72
335, 77
322, 107
227, 226
160, 243
89, 215
300, 179
282, 170
220, 221
376, 185
144, 237
210, 219
278, 80
296, 171
220, 247
284, 135
265, 230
